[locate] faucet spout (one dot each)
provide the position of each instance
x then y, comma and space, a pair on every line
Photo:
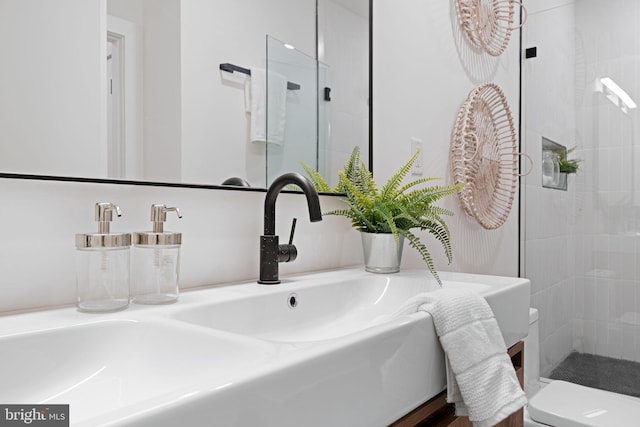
313, 201
271, 251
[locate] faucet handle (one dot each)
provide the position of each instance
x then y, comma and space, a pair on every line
288, 252
293, 230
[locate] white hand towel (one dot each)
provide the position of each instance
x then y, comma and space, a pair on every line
481, 380
266, 102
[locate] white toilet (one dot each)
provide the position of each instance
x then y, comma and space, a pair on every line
564, 404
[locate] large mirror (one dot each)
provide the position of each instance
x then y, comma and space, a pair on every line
133, 89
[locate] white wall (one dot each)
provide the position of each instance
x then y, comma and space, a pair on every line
162, 91
53, 52
423, 71
131, 10
221, 230
158, 24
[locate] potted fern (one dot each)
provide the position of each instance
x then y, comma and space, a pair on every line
567, 166
386, 216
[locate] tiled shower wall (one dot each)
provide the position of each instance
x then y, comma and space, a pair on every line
607, 321
581, 245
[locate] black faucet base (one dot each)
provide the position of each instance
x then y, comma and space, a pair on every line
269, 260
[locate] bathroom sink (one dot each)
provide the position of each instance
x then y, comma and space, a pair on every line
321, 307
114, 367
321, 349
331, 305
340, 344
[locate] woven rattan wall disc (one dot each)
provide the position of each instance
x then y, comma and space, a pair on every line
484, 156
487, 24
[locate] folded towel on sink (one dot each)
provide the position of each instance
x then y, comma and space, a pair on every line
481, 380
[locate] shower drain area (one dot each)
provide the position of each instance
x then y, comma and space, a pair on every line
605, 373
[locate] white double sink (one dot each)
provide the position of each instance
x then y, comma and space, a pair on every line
316, 350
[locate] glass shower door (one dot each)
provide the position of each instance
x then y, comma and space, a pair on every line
582, 245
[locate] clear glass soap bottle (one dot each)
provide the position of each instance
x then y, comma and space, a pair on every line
102, 265
156, 261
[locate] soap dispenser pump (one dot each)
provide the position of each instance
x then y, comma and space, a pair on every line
156, 261
102, 265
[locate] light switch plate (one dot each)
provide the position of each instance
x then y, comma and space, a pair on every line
416, 144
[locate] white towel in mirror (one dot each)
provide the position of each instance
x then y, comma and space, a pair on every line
268, 121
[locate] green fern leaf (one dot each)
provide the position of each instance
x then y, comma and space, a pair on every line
317, 179
414, 242
413, 184
389, 191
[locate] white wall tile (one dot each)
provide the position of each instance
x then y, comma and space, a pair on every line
578, 335
602, 339
616, 300
629, 342
636, 332
602, 299
578, 298
614, 346
589, 298
589, 340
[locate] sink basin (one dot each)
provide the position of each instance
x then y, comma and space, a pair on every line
248, 354
112, 366
330, 305
338, 345
319, 308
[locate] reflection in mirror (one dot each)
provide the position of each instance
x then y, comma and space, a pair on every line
132, 89
343, 52
292, 115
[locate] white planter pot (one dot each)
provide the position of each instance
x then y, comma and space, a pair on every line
381, 252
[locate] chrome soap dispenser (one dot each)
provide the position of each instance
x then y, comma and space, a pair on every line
156, 261
102, 265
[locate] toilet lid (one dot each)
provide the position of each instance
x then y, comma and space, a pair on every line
564, 404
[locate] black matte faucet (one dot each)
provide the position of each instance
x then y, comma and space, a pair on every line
271, 251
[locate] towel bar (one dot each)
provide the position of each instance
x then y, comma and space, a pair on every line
230, 68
